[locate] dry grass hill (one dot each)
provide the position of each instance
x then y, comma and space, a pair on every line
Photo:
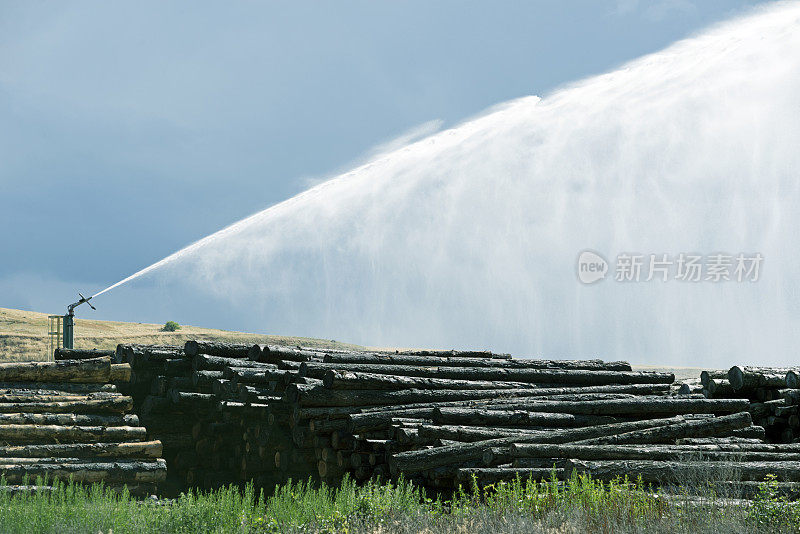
23, 335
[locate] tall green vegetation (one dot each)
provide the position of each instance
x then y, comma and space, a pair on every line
577, 505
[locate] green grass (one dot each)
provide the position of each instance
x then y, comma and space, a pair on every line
579, 505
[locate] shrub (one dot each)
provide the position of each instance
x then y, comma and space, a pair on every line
171, 326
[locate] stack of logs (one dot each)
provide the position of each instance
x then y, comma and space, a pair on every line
67, 420
234, 413
772, 392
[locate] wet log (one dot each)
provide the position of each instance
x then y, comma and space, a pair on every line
522, 418
205, 378
59, 388
68, 419
642, 405
138, 449
305, 395
354, 380
461, 433
275, 353
757, 377
705, 376
204, 362
453, 361
216, 348
720, 388
120, 471
534, 376
95, 406
663, 472
420, 460
13, 433
97, 370
81, 354
185, 400
120, 372
698, 428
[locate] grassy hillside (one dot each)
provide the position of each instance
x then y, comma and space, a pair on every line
23, 335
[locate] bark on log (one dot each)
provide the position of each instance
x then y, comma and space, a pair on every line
275, 353
309, 396
658, 472
97, 370
354, 380
59, 387
462, 433
452, 361
535, 376
757, 377
95, 406
216, 348
699, 428
121, 471
120, 372
643, 405
483, 417
81, 354
420, 460
68, 419
705, 376
205, 362
13, 434
138, 449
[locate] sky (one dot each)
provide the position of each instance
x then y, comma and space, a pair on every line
130, 130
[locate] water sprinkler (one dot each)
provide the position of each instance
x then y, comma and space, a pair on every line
69, 321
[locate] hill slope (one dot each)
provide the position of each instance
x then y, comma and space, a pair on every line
23, 335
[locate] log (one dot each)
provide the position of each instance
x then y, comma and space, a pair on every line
699, 428
705, 376
97, 370
642, 405
204, 362
420, 460
461, 433
122, 471
537, 376
483, 417
59, 387
305, 395
13, 433
216, 348
139, 449
205, 378
354, 380
720, 387
81, 354
120, 372
185, 400
276, 353
95, 406
67, 419
453, 361
757, 377
663, 472
312, 395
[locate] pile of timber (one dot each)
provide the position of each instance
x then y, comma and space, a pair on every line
773, 393
234, 413
67, 420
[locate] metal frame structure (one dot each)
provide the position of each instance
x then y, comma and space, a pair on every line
55, 335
